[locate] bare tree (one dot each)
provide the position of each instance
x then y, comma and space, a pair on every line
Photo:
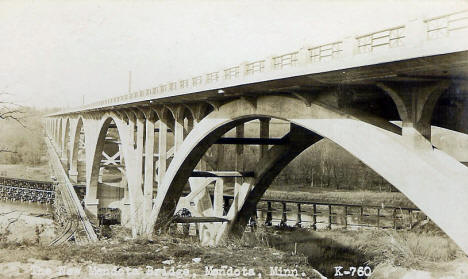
9, 111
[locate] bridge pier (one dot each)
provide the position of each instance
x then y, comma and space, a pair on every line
92, 206
73, 175
162, 151
133, 150
149, 168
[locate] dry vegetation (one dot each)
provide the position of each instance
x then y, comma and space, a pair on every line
424, 247
122, 251
375, 248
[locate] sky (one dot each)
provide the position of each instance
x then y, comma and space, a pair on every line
59, 53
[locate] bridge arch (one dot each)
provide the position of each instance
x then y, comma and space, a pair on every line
410, 170
76, 141
66, 143
127, 201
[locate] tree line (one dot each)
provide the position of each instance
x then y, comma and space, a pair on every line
21, 138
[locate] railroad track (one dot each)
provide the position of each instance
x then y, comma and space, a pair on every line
79, 227
66, 235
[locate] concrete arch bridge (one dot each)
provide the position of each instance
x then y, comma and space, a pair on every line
396, 99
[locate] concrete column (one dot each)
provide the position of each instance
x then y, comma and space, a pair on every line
54, 134
133, 153
131, 132
264, 134
139, 148
72, 168
238, 181
101, 173
60, 139
93, 158
92, 206
125, 208
149, 170
65, 133
162, 152
73, 173
190, 124
57, 139
218, 198
52, 128
178, 131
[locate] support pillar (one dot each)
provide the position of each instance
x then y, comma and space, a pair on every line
162, 162
91, 205
73, 175
139, 148
238, 181
125, 208
93, 159
101, 173
91, 201
188, 127
218, 198
149, 170
178, 128
264, 134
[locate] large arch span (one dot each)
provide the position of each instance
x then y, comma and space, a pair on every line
425, 175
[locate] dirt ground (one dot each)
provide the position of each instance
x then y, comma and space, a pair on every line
163, 257
26, 223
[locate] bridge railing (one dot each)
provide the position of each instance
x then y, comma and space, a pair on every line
411, 34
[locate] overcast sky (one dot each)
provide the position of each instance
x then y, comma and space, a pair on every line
52, 53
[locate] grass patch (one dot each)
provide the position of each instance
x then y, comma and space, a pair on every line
326, 249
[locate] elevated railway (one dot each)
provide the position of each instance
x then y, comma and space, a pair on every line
24, 190
76, 223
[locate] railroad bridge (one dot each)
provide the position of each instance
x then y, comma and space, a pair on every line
396, 99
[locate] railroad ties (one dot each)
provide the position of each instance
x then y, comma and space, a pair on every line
24, 190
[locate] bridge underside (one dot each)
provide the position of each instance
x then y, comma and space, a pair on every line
405, 120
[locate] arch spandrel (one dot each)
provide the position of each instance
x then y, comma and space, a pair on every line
416, 173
